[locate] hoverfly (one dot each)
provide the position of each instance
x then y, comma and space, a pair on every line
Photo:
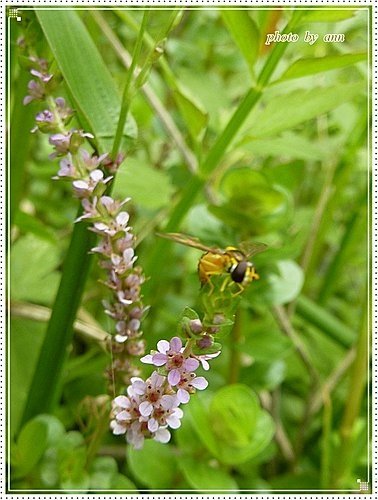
215, 261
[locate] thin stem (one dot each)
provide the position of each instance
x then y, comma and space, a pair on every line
325, 467
41, 313
126, 91
236, 335
280, 434
151, 97
332, 381
284, 323
102, 426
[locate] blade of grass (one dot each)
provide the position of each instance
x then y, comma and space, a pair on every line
323, 320
87, 77
20, 125
325, 466
353, 402
125, 104
43, 390
351, 236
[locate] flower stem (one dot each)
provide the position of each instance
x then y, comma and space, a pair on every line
236, 335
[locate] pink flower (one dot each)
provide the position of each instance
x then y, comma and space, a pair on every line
171, 356
84, 188
114, 226
188, 385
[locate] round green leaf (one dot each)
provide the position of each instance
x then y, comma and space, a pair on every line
233, 414
154, 465
30, 447
287, 284
205, 476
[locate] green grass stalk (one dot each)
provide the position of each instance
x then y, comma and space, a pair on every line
324, 321
353, 403
43, 390
125, 104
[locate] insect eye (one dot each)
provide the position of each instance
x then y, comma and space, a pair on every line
238, 273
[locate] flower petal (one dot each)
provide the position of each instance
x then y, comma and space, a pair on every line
139, 387
183, 396
191, 364
157, 380
122, 401
159, 359
145, 408
163, 346
174, 376
200, 383
162, 435
175, 344
117, 429
168, 401
147, 359
173, 421
153, 425
123, 416
122, 218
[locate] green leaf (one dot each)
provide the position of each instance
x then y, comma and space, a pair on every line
288, 110
121, 482
195, 116
154, 465
265, 375
30, 447
72, 457
252, 202
312, 65
87, 77
287, 284
33, 276
289, 145
200, 422
55, 428
245, 33
235, 428
203, 476
264, 342
29, 224
102, 473
326, 15
26, 338
148, 187
186, 436
233, 414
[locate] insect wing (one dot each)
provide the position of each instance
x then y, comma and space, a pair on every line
189, 241
251, 249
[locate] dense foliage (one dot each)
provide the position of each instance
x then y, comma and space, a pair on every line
229, 139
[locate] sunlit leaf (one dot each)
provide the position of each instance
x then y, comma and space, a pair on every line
311, 66
91, 85
288, 110
245, 33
